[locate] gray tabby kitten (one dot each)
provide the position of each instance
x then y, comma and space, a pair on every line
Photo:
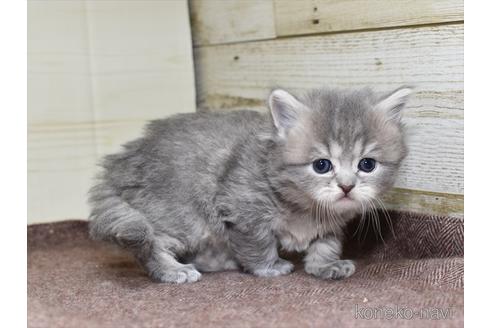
220, 191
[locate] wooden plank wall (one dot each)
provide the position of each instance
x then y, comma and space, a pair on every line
97, 71
244, 48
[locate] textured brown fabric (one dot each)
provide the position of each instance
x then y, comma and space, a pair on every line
75, 282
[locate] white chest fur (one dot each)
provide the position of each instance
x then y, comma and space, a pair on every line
295, 232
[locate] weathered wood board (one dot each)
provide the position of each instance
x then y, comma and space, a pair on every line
429, 58
219, 21
97, 70
294, 17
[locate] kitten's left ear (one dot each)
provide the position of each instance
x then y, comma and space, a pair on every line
393, 103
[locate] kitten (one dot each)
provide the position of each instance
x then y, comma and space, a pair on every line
220, 191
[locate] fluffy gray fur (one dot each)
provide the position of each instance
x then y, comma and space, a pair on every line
220, 191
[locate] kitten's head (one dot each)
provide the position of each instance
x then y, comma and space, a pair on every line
338, 148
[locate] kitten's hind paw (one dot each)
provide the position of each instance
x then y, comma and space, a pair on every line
335, 270
279, 268
179, 275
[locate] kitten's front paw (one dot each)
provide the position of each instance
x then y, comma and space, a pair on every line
179, 275
279, 268
335, 270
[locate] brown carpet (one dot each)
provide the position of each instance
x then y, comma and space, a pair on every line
413, 279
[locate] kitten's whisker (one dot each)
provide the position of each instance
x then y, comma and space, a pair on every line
360, 221
318, 216
338, 219
322, 213
312, 211
331, 218
386, 216
373, 217
377, 223
370, 219
326, 217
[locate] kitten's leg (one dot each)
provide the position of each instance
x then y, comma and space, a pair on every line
157, 257
114, 220
214, 258
323, 260
163, 267
256, 251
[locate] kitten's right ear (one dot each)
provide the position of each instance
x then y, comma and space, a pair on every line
285, 109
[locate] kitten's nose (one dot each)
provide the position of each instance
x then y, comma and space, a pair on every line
346, 188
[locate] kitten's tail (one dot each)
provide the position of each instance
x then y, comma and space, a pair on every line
113, 219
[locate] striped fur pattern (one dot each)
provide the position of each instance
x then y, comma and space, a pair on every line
218, 191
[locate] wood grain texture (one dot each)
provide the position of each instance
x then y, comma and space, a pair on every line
294, 17
219, 21
62, 164
420, 201
58, 72
97, 70
430, 58
141, 59
108, 60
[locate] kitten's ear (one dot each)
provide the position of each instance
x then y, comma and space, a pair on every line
285, 109
391, 105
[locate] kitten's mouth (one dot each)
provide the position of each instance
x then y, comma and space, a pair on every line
345, 198
345, 203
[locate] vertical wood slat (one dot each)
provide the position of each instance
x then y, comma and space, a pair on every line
97, 70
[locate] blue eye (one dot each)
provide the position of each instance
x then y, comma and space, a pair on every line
322, 166
367, 164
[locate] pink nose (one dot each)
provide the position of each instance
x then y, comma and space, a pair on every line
346, 189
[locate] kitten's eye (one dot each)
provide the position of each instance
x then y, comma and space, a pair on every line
367, 164
322, 165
